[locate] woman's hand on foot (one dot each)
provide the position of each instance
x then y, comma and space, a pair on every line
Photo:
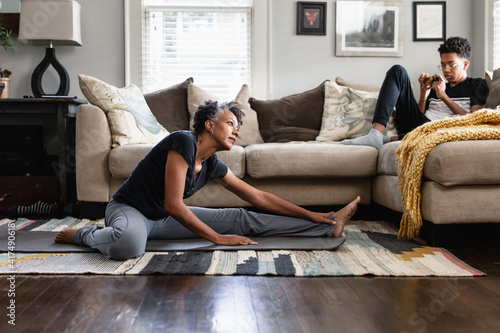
323, 217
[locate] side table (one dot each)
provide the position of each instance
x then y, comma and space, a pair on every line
58, 117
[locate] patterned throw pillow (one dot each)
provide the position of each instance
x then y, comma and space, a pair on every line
130, 119
348, 113
249, 131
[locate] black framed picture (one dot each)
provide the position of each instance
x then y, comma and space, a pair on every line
429, 21
311, 18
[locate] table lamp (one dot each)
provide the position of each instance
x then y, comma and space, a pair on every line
50, 22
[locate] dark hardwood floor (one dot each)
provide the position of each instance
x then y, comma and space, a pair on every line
175, 303
259, 304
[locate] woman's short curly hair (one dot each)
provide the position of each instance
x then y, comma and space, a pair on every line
211, 110
460, 46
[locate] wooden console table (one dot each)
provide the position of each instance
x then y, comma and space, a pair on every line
58, 117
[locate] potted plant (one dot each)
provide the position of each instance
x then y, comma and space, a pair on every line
8, 44
4, 83
6, 39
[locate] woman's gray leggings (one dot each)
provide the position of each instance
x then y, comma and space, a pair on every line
127, 230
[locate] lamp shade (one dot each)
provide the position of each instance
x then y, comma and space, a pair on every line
47, 21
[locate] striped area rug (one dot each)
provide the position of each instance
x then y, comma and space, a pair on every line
371, 248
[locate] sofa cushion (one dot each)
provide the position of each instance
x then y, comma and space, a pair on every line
443, 204
387, 164
235, 159
452, 163
460, 204
249, 132
493, 81
124, 159
303, 110
464, 162
302, 192
126, 110
310, 159
348, 113
169, 106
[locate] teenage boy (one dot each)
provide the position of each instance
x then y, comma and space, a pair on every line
460, 95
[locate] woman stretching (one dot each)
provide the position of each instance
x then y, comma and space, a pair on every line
149, 205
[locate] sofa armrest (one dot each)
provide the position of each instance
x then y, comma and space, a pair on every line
93, 145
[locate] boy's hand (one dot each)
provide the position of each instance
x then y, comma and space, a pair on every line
425, 81
439, 86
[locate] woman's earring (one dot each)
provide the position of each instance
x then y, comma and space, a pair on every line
211, 132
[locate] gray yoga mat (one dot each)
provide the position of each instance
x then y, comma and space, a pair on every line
43, 241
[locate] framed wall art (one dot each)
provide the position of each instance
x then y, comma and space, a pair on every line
369, 28
429, 21
311, 18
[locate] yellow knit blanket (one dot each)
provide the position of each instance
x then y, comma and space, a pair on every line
416, 145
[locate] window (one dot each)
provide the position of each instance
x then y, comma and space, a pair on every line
259, 64
495, 57
168, 41
492, 34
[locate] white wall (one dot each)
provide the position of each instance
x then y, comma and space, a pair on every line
298, 62
101, 55
9, 6
303, 62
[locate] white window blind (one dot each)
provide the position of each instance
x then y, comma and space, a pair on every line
210, 41
496, 34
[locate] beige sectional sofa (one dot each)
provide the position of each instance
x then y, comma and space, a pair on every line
305, 173
461, 179
461, 182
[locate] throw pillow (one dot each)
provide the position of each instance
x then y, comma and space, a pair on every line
291, 133
249, 131
303, 110
169, 106
493, 100
348, 113
120, 104
364, 87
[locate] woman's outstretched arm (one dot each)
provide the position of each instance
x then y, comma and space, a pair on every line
271, 202
175, 178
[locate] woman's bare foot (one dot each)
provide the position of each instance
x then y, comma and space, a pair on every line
66, 236
343, 216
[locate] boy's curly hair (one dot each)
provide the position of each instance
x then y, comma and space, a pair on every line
211, 110
460, 46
